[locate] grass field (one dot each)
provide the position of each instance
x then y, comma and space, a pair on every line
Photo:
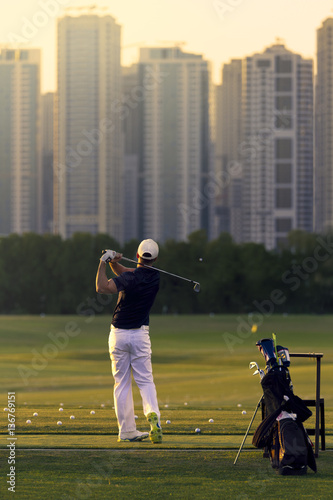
201, 372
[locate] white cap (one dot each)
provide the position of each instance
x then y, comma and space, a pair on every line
148, 249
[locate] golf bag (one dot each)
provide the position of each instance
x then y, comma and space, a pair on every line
282, 432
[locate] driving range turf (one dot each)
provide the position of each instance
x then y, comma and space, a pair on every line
201, 372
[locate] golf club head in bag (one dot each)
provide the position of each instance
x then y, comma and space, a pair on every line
266, 347
283, 354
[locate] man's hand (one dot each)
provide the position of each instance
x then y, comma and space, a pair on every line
110, 256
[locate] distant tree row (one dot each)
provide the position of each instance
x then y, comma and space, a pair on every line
49, 275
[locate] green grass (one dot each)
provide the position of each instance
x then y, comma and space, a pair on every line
192, 364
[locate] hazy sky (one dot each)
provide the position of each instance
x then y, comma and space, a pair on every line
218, 29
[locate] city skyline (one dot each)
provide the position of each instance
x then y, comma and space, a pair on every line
220, 30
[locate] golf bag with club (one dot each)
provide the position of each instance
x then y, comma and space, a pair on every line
282, 432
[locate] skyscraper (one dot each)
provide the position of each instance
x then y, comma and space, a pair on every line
227, 150
20, 142
88, 139
324, 129
277, 146
175, 162
132, 134
47, 118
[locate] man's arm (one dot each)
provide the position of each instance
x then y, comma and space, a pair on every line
103, 285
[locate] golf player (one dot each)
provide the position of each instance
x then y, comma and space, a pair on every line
129, 341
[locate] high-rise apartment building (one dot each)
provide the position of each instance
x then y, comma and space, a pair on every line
47, 119
227, 151
277, 146
324, 129
88, 139
175, 163
132, 98
20, 141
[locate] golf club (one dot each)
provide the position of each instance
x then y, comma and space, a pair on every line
253, 364
248, 429
196, 287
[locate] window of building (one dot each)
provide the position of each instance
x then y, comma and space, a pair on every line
283, 102
283, 148
263, 63
283, 64
283, 198
283, 121
283, 173
283, 225
283, 84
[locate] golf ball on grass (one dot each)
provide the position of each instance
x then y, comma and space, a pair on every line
92, 412
28, 422
102, 405
5, 409
168, 421
61, 409
243, 412
197, 430
59, 422
35, 414
136, 417
211, 421
72, 417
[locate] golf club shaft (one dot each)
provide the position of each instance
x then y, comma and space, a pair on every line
161, 271
248, 429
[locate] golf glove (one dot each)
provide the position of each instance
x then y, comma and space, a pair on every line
108, 255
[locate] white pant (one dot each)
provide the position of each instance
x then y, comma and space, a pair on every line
130, 351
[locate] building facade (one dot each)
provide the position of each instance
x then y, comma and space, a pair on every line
175, 136
227, 151
324, 129
20, 141
88, 145
47, 119
277, 146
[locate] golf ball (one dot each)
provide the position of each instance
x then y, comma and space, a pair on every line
197, 430
5, 409
185, 404
102, 405
92, 412
200, 260
35, 414
243, 412
61, 404
239, 405
61, 409
59, 422
166, 406
72, 417
168, 421
211, 421
28, 422
135, 416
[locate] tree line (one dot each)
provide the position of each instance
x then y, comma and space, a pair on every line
44, 274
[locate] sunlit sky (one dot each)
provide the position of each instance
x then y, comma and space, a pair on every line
218, 29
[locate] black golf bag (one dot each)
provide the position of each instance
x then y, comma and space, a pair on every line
282, 432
